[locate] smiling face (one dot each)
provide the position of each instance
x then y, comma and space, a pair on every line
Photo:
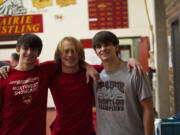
105, 44
27, 56
106, 52
69, 56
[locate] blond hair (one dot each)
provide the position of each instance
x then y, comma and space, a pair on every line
78, 49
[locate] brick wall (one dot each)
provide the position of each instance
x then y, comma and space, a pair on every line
172, 8
172, 12
171, 91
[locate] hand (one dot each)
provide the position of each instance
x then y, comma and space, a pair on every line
91, 72
4, 71
137, 67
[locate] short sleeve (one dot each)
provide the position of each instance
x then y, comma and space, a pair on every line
1, 97
50, 68
99, 68
143, 87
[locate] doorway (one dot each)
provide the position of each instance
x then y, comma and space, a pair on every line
176, 62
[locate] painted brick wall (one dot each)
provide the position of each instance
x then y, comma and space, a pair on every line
172, 13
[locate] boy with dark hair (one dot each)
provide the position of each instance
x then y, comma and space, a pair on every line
123, 100
23, 95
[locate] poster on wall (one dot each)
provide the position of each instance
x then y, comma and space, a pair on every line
64, 3
10, 25
42, 3
12, 7
108, 14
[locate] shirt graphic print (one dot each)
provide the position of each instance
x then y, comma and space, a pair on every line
111, 96
25, 88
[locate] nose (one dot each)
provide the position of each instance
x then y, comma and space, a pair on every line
30, 51
70, 53
102, 47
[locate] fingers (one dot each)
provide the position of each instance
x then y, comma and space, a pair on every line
140, 70
8, 68
135, 70
87, 78
95, 78
95, 83
4, 71
128, 67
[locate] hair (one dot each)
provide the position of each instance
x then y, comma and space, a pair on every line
104, 37
30, 41
15, 56
78, 49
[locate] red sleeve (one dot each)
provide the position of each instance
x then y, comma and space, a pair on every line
1, 98
99, 68
50, 68
50, 65
47, 62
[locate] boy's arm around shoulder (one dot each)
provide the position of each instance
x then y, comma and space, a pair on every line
50, 66
4, 70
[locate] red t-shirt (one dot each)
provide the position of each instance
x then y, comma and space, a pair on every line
73, 99
23, 101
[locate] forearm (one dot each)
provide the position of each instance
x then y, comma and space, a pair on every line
148, 121
91, 73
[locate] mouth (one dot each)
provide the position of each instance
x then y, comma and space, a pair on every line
70, 60
104, 54
30, 58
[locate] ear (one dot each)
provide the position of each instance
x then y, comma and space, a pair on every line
17, 50
39, 54
95, 51
117, 48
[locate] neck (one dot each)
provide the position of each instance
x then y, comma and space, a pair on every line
25, 67
113, 64
70, 70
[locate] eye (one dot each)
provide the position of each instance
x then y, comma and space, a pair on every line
66, 51
34, 49
98, 46
25, 48
72, 51
108, 44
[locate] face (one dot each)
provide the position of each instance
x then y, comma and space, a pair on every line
27, 55
106, 52
69, 56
